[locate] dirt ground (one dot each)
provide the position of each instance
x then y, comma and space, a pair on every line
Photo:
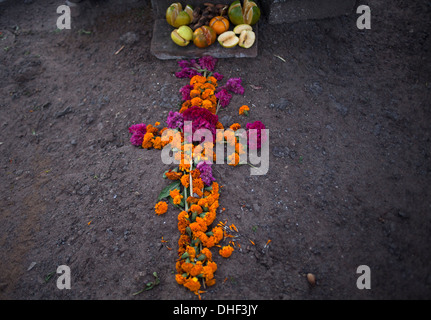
348, 183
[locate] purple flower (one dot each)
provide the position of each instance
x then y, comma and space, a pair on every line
234, 85
218, 76
223, 97
186, 73
206, 172
175, 120
201, 118
185, 92
208, 63
138, 131
257, 136
186, 64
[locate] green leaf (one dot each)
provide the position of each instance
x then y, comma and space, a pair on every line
165, 192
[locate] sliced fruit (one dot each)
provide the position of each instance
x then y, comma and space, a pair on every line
185, 32
204, 36
176, 16
251, 12
248, 13
219, 24
189, 10
228, 39
179, 40
246, 39
239, 28
235, 13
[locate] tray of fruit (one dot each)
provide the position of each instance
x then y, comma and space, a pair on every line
217, 29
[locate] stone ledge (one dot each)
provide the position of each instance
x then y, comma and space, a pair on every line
164, 48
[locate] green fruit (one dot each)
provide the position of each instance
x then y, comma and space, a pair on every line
176, 16
239, 28
235, 13
246, 39
228, 39
178, 39
248, 13
185, 32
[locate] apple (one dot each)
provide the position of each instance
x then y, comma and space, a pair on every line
246, 39
228, 39
178, 39
239, 28
185, 32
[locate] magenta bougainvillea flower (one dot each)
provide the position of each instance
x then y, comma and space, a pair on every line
206, 173
234, 85
223, 97
185, 92
207, 63
255, 140
201, 118
138, 131
175, 120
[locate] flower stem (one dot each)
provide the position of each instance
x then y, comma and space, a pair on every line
218, 106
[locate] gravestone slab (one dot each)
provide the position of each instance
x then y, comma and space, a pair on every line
164, 48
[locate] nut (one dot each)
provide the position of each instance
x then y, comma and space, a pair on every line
311, 279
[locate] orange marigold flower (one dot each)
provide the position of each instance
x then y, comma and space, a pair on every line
185, 165
203, 202
196, 208
161, 207
209, 242
210, 282
183, 241
180, 279
172, 175
210, 217
229, 135
212, 80
175, 192
195, 173
213, 265
157, 143
239, 148
185, 180
191, 251
177, 199
207, 104
243, 110
218, 233
147, 142
187, 266
235, 126
208, 85
191, 199
152, 129
198, 183
195, 93
207, 93
208, 254
215, 187
196, 102
233, 159
192, 284
198, 79
226, 251
208, 272
196, 270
